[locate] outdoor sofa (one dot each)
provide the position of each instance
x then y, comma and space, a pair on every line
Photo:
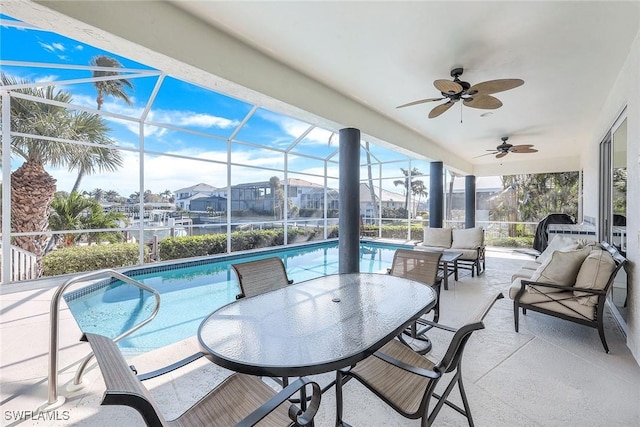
569, 280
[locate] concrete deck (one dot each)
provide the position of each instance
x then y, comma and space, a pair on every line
552, 373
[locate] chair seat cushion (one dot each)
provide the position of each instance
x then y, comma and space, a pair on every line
594, 274
404, 389
235, 398
559, 302
467, 254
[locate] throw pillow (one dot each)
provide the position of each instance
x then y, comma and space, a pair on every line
468, 238
594, 274
560, 269
437, 237
557, 242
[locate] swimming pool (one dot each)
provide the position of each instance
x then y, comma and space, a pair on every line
190, 291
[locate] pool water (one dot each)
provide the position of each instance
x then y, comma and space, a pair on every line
189, 293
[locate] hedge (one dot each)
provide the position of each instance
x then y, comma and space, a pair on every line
78, 259
195, 246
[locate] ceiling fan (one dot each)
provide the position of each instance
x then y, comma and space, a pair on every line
506, 148
476, 96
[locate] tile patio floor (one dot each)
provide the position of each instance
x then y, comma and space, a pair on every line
552, 373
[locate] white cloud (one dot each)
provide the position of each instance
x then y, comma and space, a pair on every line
47, 47
47, 78
52, 47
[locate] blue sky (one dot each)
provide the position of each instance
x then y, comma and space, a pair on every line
184, 105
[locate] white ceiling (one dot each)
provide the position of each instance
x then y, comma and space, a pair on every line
358, 60
384, 54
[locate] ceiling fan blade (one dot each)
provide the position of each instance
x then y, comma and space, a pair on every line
524, 150
440, 109
495, 86
447, 86
501, 155
488, 154
484, 102
421, 101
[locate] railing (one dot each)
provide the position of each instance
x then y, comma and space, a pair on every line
24, 264
54, 401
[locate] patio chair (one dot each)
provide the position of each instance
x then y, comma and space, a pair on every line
258, 277
406, 381
240, 400
421, 266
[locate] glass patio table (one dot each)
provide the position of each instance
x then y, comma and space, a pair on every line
315, 326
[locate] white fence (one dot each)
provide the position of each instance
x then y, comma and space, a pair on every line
23, 265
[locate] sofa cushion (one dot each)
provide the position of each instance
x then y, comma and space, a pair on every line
560, 269
437, 237
558, 302
523, 273
557, 242
594, 274
467, 238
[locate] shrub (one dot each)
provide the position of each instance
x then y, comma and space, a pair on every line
196, 246
77, 259
511, 242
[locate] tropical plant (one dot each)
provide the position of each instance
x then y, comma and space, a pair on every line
278, 196
32, 187
411, 186
77, 212
116, 87
91, 159
66, 214
529, 198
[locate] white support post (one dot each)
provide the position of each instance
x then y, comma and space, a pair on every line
6, 187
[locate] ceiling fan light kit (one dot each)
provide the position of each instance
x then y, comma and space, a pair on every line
476, 96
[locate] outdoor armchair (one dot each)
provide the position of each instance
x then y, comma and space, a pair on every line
240, 400
258, 277
421, 266
406, 381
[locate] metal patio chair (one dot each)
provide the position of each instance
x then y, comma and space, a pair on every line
406, 381
421, 266
258, 277
240, 400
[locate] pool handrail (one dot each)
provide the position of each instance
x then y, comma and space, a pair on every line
54, 401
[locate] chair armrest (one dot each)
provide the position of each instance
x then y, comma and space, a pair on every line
436, 325
169, 368
407, 367
298, 416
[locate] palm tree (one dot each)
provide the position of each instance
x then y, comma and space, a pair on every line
76, 212
32, 187
277, 194
418, 189
112, 196
117, 87
89, 160
408, 184
98, 194
66, 214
